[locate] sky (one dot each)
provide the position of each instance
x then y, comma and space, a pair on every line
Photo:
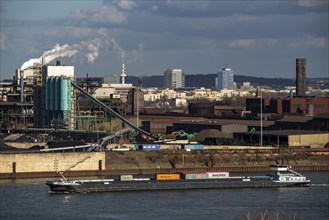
253, 37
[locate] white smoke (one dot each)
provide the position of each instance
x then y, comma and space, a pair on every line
30, 63
117, 48
90, 50
85, 50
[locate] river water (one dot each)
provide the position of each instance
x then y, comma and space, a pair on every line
29, 199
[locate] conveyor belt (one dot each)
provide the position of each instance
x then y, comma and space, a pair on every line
114, 113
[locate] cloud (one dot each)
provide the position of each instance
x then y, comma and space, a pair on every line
154, 8
127, 4
241, 43
69, 31
317, 42
208, 8
245, 43
108, 14
310, 41
270, 42
105, 14
312, 3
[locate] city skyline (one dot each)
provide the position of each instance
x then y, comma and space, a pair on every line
256, 38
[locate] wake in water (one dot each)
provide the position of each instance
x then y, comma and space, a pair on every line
320, 184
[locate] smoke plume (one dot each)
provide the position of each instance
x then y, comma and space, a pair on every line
85, 50
117, 48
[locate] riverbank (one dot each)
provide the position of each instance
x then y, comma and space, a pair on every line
102, 164
107, 173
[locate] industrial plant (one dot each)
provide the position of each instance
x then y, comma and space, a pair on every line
47, 109
49, 99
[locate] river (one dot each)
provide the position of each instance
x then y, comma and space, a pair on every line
29, 199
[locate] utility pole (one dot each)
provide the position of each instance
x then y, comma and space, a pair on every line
261, 117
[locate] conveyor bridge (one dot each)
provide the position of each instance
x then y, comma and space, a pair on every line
113, 113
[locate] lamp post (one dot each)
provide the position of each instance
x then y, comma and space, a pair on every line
261, 117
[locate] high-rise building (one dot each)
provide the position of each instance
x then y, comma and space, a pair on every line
225, 79
300, 76
174, 78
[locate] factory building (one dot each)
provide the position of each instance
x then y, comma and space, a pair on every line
286, 138
201, 109
54, 99
310, 106
225, 79
173, 79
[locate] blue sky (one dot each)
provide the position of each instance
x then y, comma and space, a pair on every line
257, 38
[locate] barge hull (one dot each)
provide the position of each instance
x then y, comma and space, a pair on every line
117, 186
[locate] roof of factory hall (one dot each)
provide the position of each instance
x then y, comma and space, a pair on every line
291, 118
285, 132
227, 122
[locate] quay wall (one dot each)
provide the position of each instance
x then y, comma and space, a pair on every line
51, 162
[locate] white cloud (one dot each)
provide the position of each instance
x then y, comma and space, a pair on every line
245, 18
108, 14
241, 43
270, 42
317, 42
261, 42
312, 3
310, 41
103, 14
127, 4
154, 8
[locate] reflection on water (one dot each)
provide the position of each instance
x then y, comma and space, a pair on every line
66, 199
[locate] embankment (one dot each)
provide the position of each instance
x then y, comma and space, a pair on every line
74, 164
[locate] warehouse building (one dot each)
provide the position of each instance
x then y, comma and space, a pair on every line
286, 138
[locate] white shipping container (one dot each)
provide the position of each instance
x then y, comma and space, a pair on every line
126, 177
218, 175
141, 179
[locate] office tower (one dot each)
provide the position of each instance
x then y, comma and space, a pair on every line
174, 78
225, 79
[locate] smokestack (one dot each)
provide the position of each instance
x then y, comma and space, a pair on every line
21, 82
43, 62
123, 75
140, 82
300, 76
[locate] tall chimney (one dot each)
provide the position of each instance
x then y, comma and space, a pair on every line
300, 76
21, 82
123, 75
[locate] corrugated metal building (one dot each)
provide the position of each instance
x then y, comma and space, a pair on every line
286, 138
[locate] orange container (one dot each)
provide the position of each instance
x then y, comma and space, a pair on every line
166, 176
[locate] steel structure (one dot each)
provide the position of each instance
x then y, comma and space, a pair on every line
112, 112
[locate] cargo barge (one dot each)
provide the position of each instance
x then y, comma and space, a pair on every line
283, 177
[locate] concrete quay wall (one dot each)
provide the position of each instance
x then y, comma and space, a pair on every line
51, 162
